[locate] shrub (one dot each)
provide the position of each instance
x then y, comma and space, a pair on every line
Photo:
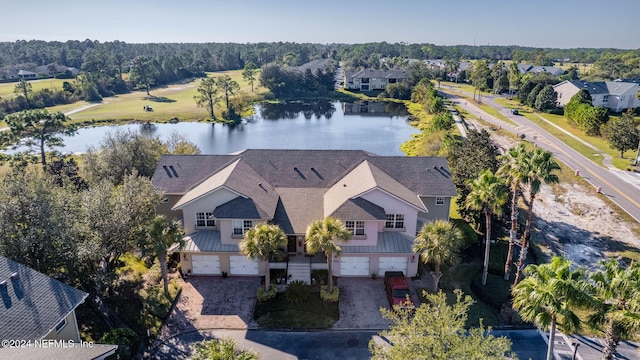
127, 341
264, 295
329, 297
297, 292
320, 277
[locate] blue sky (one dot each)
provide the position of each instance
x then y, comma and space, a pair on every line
540, 23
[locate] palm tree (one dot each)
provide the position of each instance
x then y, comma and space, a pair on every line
540, 169
322, 236
488, 194
515, 169
549, 293
264, 242
439, 243
616, 290
162, 235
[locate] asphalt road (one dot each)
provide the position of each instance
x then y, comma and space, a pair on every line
329, 345
617, 187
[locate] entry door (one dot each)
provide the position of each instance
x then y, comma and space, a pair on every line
291, 244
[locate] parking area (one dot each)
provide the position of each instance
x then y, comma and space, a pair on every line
213, 302
360, 303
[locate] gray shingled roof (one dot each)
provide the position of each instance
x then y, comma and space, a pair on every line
298, 207
57, 352
359, 209
307, 169
389, 242
603, 87
177, 174
32, 303
373, 73
207, 241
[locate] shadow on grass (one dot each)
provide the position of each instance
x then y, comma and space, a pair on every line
160, 99
278, 313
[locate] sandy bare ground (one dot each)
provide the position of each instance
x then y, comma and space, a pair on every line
572, 221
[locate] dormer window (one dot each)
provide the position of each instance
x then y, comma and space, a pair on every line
355, 227
241, 226
394, 221
205, 219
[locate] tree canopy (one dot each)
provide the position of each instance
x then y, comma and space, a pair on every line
436, 332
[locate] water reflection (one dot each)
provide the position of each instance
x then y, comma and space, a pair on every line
381, 129
293, 109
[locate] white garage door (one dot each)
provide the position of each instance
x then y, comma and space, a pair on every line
205, 264
240, 265
354, 266
392, 264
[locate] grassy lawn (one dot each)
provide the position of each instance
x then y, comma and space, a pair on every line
175, 100
278, 313
460, 277
6, 89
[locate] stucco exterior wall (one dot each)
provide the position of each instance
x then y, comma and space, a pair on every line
205, 204
392, 205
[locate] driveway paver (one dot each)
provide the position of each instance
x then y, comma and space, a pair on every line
360, 303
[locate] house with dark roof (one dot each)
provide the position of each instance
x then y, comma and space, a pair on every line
534, 69
382, 200
615, 95
371, 79
35, 306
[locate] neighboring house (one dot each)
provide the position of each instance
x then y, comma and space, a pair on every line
54, 68
27, 75
36, 306
370, 79
40, 309
532, 69
615, 95
382, 200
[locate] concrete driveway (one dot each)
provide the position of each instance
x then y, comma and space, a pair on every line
360, 303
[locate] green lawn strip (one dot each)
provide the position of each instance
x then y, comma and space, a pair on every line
167, 101
598, 142
6, 89
578, 146
314, 313
495, 113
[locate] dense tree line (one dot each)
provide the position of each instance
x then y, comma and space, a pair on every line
288, 82
225, 56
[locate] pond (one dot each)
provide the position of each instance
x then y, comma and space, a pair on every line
376, 127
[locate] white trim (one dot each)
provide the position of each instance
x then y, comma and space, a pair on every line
206, 194
390, 194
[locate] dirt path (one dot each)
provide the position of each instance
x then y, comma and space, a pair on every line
83, 108
571, 220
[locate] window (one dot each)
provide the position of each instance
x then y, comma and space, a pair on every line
165, 200
61, 325
621, 98
395, 221
205, 219
365, 80
355, 227
439, 201
241, 226
605, 98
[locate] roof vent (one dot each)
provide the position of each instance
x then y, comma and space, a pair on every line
173, 170
14, 275
3, 283
166, 169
